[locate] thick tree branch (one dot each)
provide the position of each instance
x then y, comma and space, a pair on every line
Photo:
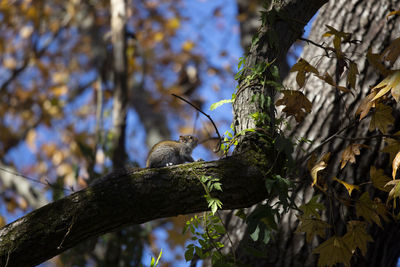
123, 198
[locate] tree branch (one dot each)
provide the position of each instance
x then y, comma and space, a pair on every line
127, 197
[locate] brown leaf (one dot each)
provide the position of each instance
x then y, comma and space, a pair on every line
296, 103
392, 52
366, 105
349, 154
381, 118
352, 75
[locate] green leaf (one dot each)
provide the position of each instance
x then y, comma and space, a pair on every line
220, 103
189, 253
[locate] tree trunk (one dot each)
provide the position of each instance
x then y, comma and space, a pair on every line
332, 113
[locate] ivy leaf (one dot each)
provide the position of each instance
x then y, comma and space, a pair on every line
349, 154
390, 83
357, 236
312, 227
379, 179
296, 103
395, 165
333, 251
349, 187
381, 118
370, 210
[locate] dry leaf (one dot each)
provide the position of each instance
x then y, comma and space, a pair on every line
395, 165
349, 187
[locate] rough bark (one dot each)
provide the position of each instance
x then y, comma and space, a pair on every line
331, 113
125, 198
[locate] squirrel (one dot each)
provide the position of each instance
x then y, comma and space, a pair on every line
168, 153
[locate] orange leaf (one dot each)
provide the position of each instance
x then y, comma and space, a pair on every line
395, 165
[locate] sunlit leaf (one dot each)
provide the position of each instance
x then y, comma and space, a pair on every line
395, 190
393, 13
2, 221
220, 103
333, 251
395, 165
302, 67
391, 82
349, 187
314, 171
188, 46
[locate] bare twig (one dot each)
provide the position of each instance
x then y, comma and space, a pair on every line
208, 116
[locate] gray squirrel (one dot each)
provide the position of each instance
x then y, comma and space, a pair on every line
167, 153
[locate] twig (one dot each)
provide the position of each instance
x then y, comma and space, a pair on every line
67, 233
208, 116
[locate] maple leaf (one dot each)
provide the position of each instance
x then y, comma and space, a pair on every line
395, 165
379, 179
381, 118
349, 154
312, 227
371, 210
302, 67
296, 104
390, 83
392, 52
333, 251
357, 236
312, 208
375, 61
349, 187
393, 13
366, 105
392, 147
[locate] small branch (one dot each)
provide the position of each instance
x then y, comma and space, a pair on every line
208, 116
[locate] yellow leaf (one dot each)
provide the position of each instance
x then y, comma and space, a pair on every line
158, 36
296, 103
395, 165
2, 221
393, 13
395, 191
9, 63
31, 139
349, 154
173, 23
333, 251
357, 236
314, 171
312, 227
187, 46
391, 82
379, 179
60, 77
59, 90
370, 210
349, 187
381, 118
